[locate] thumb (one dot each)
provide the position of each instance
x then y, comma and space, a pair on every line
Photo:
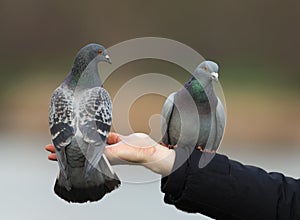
113, 153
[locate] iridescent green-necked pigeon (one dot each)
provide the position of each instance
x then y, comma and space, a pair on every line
194, 116
80, 118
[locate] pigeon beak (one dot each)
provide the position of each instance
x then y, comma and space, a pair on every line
215, 76
107, 59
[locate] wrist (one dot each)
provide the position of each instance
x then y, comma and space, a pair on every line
161, 160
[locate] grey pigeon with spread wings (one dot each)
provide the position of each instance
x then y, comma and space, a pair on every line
194, 116
80, 119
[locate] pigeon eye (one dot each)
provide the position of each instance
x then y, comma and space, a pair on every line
205, 68
100, 51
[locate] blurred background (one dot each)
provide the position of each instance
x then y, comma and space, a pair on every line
255, 43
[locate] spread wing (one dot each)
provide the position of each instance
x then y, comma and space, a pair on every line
61, 121
94, 123
166, 117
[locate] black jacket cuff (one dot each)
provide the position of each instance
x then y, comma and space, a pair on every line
173, 184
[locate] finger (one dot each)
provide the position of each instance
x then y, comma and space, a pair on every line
123, 154
112, 154
163, 144
50, 148
52, 157
113, 138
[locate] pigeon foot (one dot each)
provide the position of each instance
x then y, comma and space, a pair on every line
167, 145
205, 150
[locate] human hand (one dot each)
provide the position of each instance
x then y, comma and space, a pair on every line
51, 149
137, 149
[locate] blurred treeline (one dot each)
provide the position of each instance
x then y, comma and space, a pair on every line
255, 42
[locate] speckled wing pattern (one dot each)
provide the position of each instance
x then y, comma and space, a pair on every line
89, 122
62, 121
95, 117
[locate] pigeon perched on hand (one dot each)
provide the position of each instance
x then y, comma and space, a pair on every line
80, 119
194, 116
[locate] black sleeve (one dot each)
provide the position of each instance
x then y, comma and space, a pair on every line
226, 189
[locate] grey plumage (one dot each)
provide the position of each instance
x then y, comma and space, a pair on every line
194, 116
80, 118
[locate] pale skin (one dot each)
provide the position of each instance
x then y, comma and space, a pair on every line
137, 149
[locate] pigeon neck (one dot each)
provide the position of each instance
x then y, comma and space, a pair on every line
80, 64
84, 78
72, 79
201, 93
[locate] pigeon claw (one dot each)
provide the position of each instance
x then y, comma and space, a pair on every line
167, 145
171, 146
200, 148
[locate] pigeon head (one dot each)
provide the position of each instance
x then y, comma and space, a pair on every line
206, 72
91, 52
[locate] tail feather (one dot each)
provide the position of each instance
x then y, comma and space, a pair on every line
106, 181
111, 179
91, 193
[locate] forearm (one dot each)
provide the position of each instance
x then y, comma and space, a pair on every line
226, 189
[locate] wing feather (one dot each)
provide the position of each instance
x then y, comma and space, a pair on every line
61, 121
166, 117
220, 122
94, 124
217, 132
